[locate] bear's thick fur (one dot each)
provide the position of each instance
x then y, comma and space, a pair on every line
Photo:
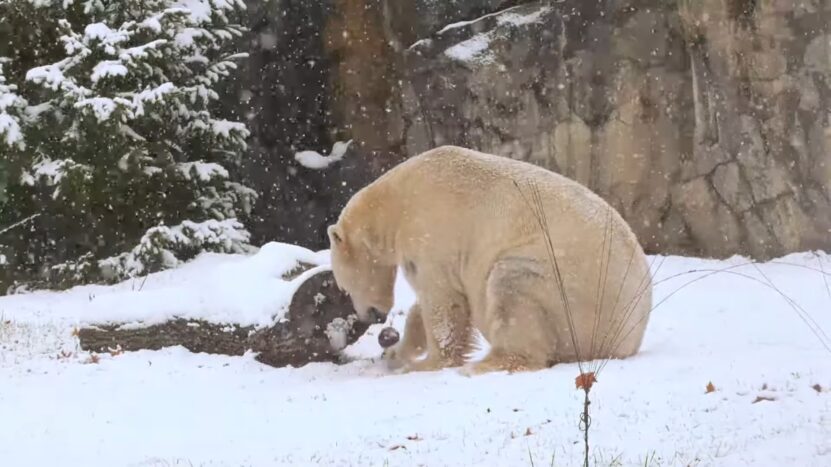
465, 229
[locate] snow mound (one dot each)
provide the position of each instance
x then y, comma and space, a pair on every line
217, 288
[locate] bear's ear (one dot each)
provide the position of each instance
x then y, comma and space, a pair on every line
334, 234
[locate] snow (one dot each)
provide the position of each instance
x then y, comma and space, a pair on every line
517, 19
9, 127
50, 76
172, 407
10, 130
338, 331
7, 99
154, 94
218, 288
165, 242
200, 10
101, 32
107, 68
150, 95
51, 172
153, 23
475, 47
186, 38
140, 51
225, 127
101, 107
506, 16
203, 171
317, 161
461, 24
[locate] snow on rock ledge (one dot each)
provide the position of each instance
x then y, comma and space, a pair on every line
471, 42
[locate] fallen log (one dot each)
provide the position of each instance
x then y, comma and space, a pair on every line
319, 323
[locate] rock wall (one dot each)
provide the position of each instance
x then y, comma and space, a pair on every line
705, 122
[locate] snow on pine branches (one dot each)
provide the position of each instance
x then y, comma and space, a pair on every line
109, 128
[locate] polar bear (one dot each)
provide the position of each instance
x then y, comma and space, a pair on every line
467, 230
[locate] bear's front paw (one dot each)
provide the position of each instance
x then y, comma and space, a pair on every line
496, 362
429, 364
392, 360
401, 353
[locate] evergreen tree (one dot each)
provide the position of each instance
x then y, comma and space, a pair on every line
108, 135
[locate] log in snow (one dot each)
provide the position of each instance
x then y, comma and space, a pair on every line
319, 323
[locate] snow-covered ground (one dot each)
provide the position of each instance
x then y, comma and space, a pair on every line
171, 407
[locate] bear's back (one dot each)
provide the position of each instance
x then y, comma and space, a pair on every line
454, 164
483, 175
486, 179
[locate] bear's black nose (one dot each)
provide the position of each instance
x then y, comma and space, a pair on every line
375, 316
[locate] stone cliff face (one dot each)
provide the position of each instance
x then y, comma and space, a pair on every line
705, 122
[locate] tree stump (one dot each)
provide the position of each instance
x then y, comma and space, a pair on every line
320, 322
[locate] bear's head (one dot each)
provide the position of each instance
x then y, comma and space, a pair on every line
359, 272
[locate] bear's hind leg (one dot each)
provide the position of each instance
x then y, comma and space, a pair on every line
516, 320
502, 360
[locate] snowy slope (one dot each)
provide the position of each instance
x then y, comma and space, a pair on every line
172, 407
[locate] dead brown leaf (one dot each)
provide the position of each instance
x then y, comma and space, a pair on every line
817, 388
93, 358
710, 387
396, 447
764, 398
528, 432
414, 437
585, 381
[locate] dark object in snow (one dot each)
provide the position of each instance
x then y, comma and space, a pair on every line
316, 330
388, 337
